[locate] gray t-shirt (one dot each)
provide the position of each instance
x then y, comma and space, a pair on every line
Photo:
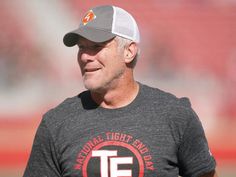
156, 135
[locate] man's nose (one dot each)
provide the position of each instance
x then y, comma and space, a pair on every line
86, 56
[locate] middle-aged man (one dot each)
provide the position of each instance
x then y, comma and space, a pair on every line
118, 127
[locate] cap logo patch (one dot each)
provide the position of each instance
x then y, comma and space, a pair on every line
88, 17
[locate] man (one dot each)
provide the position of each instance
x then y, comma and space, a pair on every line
117, 127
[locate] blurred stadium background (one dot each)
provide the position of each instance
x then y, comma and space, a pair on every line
188, 48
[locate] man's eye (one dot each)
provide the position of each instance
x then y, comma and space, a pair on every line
81, 47
95, 47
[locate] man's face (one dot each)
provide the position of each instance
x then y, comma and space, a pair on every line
101, 64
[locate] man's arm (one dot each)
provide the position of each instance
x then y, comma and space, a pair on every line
211, 174
194, 156
43, 158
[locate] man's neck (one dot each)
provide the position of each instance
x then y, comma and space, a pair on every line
121, 95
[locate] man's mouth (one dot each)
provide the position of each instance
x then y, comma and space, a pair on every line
90, 70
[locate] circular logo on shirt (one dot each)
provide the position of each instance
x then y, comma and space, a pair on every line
114, 155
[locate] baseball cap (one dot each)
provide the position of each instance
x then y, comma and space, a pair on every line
103, 23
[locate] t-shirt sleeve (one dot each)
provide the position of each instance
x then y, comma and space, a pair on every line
43, 161
194, 155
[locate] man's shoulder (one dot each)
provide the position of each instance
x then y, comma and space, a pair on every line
163, 98
177, 110
66, 109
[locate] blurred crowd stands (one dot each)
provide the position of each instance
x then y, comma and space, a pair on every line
188, 47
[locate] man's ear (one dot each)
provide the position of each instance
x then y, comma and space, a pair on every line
130, 52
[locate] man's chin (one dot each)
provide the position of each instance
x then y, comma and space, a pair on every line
95, 88
91, 86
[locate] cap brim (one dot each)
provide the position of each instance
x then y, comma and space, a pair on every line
95, 35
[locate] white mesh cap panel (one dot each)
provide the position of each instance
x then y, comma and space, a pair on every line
124, 25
